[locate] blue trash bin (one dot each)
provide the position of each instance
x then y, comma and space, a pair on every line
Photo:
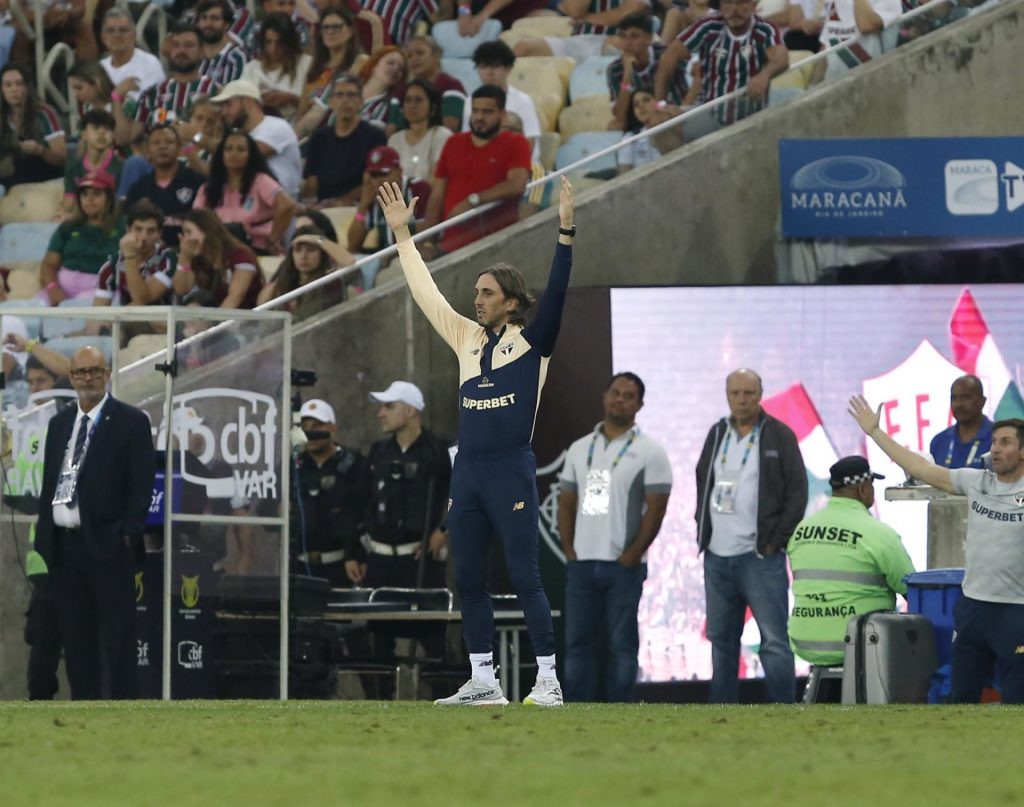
934, 594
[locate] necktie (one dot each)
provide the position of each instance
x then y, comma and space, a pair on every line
76, 456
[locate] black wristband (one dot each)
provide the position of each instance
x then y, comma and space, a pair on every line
570, 231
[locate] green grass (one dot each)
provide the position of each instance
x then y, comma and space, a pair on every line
303, 754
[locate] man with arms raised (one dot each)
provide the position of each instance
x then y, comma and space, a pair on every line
503, 363
988, 622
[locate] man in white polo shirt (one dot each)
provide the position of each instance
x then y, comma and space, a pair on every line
614, 491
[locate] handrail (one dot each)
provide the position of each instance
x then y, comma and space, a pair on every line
707, 108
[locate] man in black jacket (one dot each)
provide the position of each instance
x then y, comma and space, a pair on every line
98, 473
751, 493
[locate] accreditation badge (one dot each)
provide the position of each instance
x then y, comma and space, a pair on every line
723, 497
597, 495
66, 483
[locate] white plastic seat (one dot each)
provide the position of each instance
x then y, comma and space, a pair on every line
446, 34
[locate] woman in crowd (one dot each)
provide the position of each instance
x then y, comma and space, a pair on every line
335, 51
213, 265
280, 68
79, 248
310, 256
242, 190
383, 77
423, 55
32, 143
311, 217
420, 145
643, 114
207, 120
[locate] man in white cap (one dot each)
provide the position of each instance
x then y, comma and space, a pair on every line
326, 522
408, 474
242, 107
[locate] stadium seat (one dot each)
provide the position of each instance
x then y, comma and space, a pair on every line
141, 346
341, 218
446, 34
769, 8
25, 241
543, 26
23, 279
33, 325
463, 70
268, 266
32, 202
799, 77
583, 145
780, 95
53, 328
541, 74
590, 78
591, 114
548, 106
549, 143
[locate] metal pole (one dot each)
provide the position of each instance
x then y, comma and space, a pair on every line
286, 445
165, 687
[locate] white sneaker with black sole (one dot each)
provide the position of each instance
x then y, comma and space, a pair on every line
475, 693
546, 692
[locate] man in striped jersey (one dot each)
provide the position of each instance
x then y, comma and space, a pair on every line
593, 22
736, 48
402, 16
140, 273
171, 99
223, 58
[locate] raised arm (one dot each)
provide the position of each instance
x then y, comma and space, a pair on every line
914, 464
451, 326
543, 331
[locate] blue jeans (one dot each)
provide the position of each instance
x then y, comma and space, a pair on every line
602, 595
731, 584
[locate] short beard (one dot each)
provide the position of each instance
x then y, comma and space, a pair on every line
189, 67
487, 134
210, 38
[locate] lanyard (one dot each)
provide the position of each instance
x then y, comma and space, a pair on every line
970, 456
70, 451
746, 453
622, 451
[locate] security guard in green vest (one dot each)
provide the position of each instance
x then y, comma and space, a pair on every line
845, 563
41, 628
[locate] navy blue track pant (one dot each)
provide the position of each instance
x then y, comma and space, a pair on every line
987, 634
498, 494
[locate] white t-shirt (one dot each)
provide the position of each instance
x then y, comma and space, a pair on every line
637, 154
605, 526
522, 104
418, 161
285, 162
735, 533
278, 79
840, 24
994, 567
143, 66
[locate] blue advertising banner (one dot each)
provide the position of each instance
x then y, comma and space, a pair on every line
155, 516
941, 187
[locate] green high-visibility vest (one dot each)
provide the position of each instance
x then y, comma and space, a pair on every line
34, 563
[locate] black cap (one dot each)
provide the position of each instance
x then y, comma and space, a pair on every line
851, 471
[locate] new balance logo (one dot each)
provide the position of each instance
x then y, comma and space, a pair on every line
479, 696
518, 506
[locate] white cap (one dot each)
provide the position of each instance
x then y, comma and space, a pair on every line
402, 391
239, 88
318, 410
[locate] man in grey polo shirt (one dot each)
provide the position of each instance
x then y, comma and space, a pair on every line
614, 491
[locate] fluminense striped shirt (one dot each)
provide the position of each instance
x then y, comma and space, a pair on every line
644, 79
597, 6
227, 65
112, 282
172, 99
729, 61
401, 16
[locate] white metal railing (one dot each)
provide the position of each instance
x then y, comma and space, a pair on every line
814, 62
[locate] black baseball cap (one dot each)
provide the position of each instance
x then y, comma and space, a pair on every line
851, 471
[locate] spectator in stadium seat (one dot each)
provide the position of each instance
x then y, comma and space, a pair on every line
242, 190
636, 67
472, 14
171, 185
311, 255
494, 62
419, 144
32, 143
295, 15
201, 133
173, 97
644, 115
311, 217
482, 165
401, 19
336, 52
846, 19
736, 49
243, 109
681, 15
141, 271
80, 247
96, 154
91, 88
280, 67
805, 21
383, 76
336, 155
223, 57
593, 22
213, 265
383, 164
423, 55
132, 70
63, 21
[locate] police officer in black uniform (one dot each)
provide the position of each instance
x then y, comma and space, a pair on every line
327, 516
408, 474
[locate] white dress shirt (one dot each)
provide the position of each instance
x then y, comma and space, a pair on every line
64, 516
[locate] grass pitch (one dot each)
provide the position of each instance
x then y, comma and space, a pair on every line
353, 753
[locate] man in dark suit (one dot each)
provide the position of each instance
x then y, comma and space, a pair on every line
98, 473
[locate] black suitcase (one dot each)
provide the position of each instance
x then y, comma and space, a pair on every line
890, 658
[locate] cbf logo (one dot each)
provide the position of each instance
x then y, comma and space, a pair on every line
850, 186
236, 426
190, 655
141, 653
973, 187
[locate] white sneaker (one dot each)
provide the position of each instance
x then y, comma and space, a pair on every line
475, 693
546, 692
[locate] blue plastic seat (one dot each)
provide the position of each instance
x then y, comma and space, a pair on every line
464, 70
446, 34
583, 145
25, 241
590, 77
